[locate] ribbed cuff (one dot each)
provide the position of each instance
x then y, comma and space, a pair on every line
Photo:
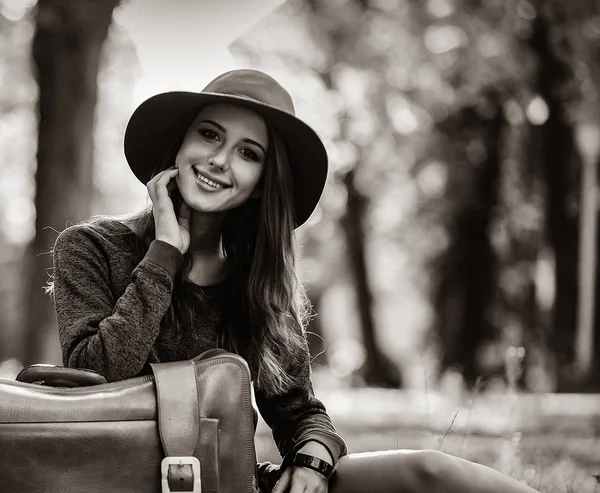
335, 445
165, 255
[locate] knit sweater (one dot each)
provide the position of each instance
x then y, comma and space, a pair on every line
111, 305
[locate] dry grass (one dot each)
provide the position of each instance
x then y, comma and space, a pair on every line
550, 442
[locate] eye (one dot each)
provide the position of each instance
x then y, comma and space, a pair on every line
208, 134
249, 154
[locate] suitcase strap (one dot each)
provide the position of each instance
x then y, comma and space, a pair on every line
178, 425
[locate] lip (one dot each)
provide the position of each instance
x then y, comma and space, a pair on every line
212, 178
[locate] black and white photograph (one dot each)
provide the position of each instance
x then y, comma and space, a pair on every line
299, 246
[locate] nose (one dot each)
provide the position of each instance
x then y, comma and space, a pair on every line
219, 160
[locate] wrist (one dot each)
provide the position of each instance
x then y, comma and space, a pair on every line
316, 464
170, 241
316, 449
165, 255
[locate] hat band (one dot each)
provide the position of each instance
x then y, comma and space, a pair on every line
238, 96
253, 100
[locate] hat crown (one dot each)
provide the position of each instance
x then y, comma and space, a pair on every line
252, 84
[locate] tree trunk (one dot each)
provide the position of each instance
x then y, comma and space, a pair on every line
66, 52
593, 384
468, 270
378, 370
560, 167
519, 303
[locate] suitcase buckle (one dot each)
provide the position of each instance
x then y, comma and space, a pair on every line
167, 462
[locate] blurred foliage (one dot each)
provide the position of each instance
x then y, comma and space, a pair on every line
18, 96
437, 110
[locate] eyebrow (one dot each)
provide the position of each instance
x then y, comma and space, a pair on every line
222, 129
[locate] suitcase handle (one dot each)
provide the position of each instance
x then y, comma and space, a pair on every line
59, 376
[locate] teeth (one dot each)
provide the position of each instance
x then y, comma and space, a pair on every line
207, 181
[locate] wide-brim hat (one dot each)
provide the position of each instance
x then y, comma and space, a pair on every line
157, 122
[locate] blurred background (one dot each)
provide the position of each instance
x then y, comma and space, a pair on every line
453, 258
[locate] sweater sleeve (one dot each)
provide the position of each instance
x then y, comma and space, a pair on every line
97, 331
297, 416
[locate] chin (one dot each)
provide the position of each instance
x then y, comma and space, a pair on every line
198, 206
205, 205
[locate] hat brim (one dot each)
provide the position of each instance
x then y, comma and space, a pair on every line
157, 121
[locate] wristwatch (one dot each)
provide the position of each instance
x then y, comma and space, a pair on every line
311, 462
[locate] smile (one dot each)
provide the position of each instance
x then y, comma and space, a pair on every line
208, 181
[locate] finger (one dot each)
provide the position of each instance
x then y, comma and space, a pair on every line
162, 192
160, 174
165, 177
152, 184
171, 185
282, 485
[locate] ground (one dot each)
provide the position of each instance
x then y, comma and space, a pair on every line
552, 442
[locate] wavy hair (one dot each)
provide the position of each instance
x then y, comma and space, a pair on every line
258, 240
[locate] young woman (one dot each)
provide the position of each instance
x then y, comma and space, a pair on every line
231, 172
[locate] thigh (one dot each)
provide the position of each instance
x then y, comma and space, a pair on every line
393, 471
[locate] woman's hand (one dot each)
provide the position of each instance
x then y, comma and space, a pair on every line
301, 480
170, 228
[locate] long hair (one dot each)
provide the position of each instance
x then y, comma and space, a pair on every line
265, 308
258, 240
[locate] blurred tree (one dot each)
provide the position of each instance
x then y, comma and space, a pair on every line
519, 242
482, 293
340, 34
557, 158
467, 271
568, 37
66, 50
18, 96
378, 369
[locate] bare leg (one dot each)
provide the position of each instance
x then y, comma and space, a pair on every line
416, 471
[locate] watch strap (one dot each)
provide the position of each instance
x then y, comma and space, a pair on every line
311, 462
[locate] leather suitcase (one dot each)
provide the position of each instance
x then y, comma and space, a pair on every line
187, 427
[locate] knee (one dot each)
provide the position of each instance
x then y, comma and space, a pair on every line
431, 467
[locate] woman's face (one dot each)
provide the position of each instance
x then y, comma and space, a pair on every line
222, 158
